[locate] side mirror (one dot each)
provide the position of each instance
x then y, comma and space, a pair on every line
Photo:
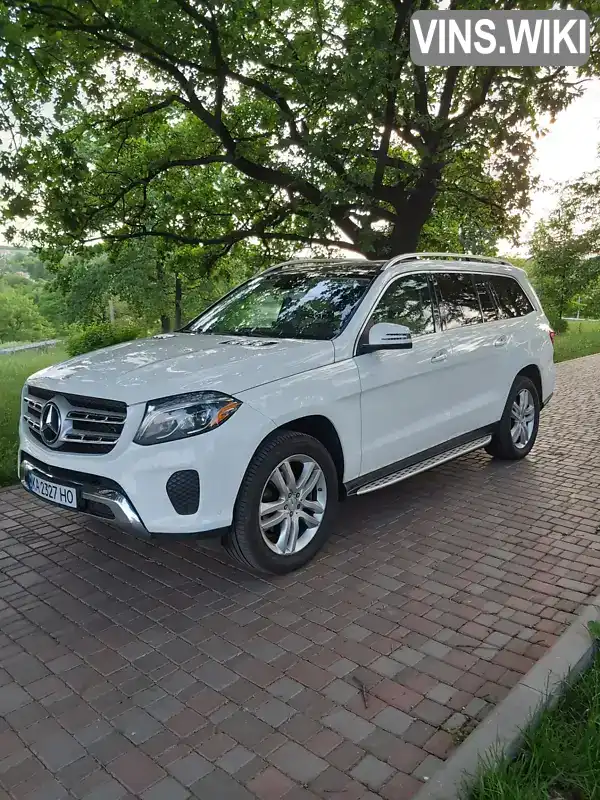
388, 336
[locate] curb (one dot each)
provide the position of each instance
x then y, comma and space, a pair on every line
501, 732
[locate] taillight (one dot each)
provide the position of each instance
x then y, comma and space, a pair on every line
552, 335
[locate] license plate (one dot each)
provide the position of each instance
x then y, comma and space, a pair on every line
54, 492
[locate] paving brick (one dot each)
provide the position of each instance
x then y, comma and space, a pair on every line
274, 712
431, 712
401, 787
219, 784
167, 789
189, 769
270, 784
235, 759
427, 768
285, 688
297, 762
12, 697
349, 725
136, 771
137, 725
394, 721
57, 750
372, 772
191, 656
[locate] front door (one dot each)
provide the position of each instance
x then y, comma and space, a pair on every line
404, 392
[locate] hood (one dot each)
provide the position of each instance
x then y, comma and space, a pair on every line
169, 364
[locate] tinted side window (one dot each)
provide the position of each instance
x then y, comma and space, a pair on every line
512, 300
459, 304
407, 302
486, 298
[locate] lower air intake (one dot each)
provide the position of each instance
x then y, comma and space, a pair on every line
183, 488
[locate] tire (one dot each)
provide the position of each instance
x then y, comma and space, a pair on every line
503, 444
261, 484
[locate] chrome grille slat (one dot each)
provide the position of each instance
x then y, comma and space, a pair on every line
85, 428
112, 417
34, 403
92, 438
33, 423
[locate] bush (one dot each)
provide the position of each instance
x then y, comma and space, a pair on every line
558, 324
102, 334
20, 320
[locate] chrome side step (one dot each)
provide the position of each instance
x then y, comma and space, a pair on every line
423, 466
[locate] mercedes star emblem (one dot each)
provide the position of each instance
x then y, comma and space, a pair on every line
50, 423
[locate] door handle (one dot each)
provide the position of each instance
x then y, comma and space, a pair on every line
441, 355
500, 341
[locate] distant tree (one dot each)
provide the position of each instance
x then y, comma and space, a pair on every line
20, 319
562, 262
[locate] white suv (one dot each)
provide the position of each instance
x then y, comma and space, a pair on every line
313, 381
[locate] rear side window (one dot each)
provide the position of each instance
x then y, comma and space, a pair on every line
487, 301
512, 300
458, 300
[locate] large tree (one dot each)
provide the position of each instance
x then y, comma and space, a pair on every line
289, 121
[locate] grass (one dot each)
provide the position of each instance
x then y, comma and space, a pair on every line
580, 339
560, 759
14, 370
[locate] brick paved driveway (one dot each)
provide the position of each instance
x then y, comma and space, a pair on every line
162, 672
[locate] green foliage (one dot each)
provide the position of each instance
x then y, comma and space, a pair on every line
565, 271
594, 629
560, 757
276, 122
20, 319
101, 334
558, 324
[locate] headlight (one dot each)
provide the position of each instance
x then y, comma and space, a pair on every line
184, 415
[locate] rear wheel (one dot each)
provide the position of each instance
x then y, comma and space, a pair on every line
518, 427
286, 504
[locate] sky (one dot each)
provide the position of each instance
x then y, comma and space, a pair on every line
568, 149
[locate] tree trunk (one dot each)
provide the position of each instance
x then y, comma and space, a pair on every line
165, 319
413, 209
177, 302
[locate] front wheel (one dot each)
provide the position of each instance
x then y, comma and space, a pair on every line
518, 428
286, 504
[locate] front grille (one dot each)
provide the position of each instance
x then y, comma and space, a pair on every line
89, 424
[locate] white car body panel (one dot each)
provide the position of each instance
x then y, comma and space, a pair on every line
170, 364
385, 406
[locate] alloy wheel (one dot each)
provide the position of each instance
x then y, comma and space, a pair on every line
292, 504
522, 419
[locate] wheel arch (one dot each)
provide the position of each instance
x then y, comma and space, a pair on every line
323, 430
532, 371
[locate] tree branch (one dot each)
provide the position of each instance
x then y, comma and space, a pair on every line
170, 100
450, 80
475, 105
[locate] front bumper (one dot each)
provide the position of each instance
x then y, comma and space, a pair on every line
131, 481
108, 503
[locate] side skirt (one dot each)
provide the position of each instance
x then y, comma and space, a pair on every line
421, 462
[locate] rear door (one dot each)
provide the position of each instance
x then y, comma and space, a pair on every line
516, 325
479, 346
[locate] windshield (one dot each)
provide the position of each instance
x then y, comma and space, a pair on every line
306, 304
